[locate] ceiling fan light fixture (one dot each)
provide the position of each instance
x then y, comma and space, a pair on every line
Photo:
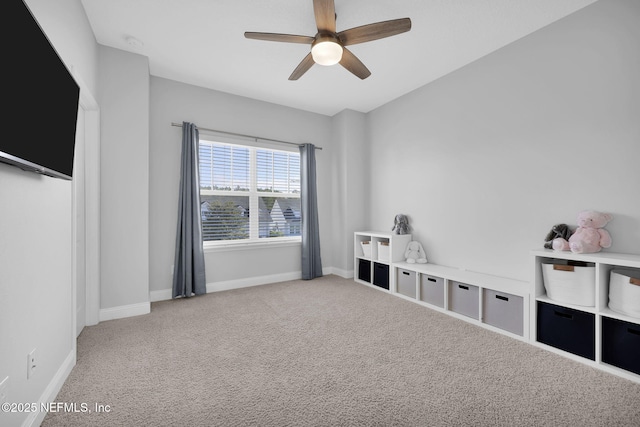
329, 47
326, 52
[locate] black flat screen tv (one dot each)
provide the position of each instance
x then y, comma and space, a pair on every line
40, 96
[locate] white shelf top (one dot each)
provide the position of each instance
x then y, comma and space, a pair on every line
585, 308
483, 280
615, 315
618, 259
385, 234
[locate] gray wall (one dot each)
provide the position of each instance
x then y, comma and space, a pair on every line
487, 159
350, 184
35, 283
176, 102
484, 161
36, 257
124, 178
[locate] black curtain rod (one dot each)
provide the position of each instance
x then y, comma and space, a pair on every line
255, 138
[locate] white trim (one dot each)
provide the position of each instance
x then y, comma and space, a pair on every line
162, 295
92, 216
53, 388
244, 245
345, 274
125, 311
252, 281
257, 281
91, 199
227, 285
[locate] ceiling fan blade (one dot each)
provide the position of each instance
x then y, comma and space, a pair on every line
273, 37
302, 67
353, 64
379, 30
325, 13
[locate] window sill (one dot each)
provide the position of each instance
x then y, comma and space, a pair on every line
243, 246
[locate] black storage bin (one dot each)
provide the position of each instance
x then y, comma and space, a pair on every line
567, 329
621, 344
381, 275
364, 270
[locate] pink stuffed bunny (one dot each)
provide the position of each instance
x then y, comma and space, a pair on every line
589, 237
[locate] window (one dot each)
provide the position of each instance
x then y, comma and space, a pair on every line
248, 193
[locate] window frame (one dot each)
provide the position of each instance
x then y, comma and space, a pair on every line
254, 242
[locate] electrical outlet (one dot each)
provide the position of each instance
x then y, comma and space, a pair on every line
4, 387
31, 363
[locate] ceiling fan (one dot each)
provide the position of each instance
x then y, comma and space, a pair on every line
329, 47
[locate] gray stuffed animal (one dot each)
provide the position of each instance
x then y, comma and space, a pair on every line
557, 231
401, 224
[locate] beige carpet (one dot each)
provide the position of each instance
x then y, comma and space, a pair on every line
327, 352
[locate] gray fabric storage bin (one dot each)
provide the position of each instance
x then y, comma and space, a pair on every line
407, 282
463, 299
432, 290
503, 311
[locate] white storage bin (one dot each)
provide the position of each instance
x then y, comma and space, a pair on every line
383, 251
366, 248
624, 292
570, 284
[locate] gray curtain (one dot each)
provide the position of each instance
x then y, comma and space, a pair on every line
311, 262
188, 270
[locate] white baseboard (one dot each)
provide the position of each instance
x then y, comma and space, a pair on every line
125, 311
163, 295
49, 395
227, 285
345, 274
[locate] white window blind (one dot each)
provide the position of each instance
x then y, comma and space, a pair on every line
248, 193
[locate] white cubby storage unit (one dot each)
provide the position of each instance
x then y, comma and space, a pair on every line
374, 252
590, 333
497, 303
494, 302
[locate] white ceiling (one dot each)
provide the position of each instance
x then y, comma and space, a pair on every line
201, 42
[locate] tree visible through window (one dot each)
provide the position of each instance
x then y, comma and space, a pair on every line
248, 193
